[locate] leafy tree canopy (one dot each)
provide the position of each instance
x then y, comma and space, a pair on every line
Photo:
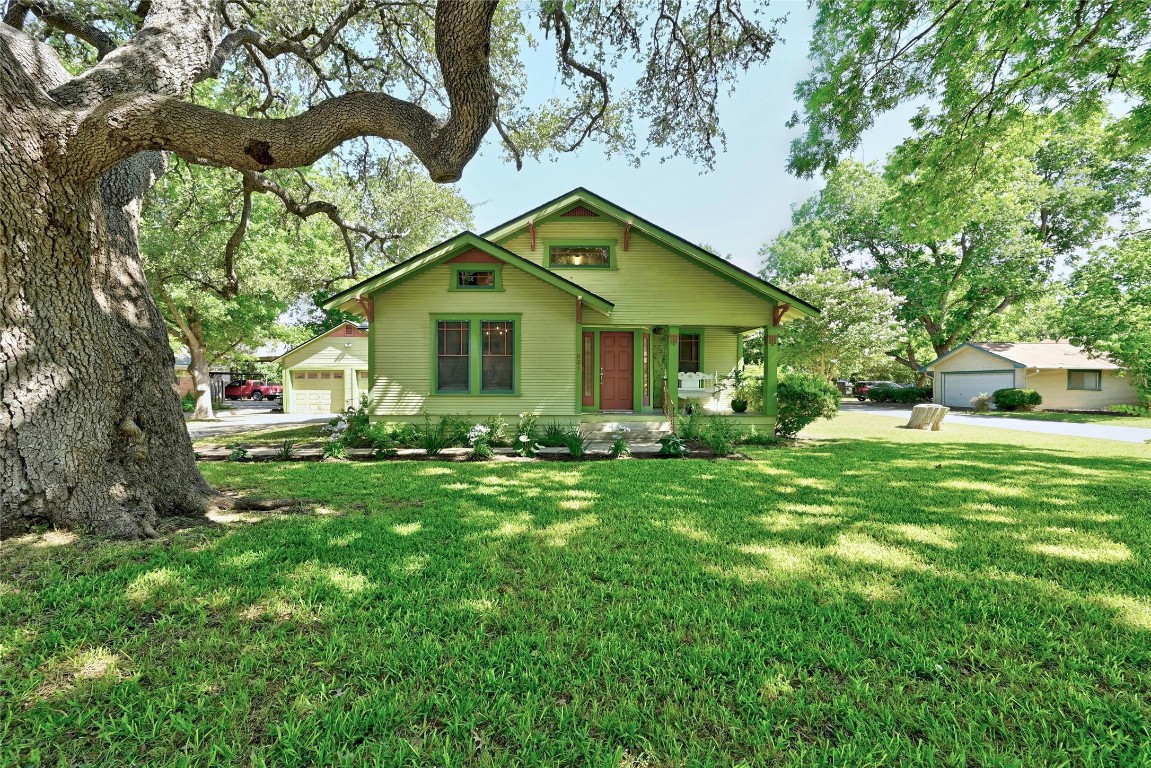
1108, 307
977, 68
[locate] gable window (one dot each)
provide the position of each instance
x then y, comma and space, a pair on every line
590, 256
485, 278
1092, 380
476, 354
476, 277
497, 349
689, 353
452, 348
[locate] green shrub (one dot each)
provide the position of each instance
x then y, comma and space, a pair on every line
286, 449
755, 436
1015, 399
577, 444
673, 445
981, 403
619, 447
1129, 410
803, 398
902, 395
382, 440
498, 431
445, 433
480, 440
690, 426
188, 403
722, 434
406, 435
239, 453
555, 435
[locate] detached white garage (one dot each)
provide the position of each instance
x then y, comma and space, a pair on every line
956, 388
1064, 375
326, 373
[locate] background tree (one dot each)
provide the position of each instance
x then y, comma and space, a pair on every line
91, 434
1108, 308
856, 328
960, 256
223, 286
975, 68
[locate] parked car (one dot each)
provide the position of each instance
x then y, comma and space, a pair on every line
253, 388
861, 387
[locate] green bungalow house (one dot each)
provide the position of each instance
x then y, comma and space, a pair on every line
577, 310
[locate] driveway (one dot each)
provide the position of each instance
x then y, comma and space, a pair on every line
1097, 431
246, 415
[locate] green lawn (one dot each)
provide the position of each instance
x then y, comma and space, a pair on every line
875, 597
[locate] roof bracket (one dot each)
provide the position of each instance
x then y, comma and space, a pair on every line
367, 305
780, 311
532, 233
626, 235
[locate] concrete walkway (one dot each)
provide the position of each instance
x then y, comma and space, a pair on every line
1096, 431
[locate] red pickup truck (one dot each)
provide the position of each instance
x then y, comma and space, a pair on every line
257, 390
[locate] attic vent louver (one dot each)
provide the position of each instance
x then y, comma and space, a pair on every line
579, 210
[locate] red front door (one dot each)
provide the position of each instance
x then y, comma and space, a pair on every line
616, 371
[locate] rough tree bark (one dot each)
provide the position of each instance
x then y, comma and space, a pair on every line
91, 433
90, 423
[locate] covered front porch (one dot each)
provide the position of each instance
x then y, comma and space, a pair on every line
632, 374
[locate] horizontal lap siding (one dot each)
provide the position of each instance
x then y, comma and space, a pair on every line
330, 353
402, 334
1052, 386
652, 286
969, 359
719, 356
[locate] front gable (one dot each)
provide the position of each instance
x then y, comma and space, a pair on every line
457, 253
647, 264
968, 357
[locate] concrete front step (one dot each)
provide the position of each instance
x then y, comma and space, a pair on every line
636, 427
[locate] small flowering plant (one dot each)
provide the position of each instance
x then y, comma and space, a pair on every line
619, 447
526, 446
480, 440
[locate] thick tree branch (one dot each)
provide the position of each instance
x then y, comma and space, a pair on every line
165, 57
129, 123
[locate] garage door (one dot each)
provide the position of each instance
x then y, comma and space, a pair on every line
959, 388
317, 391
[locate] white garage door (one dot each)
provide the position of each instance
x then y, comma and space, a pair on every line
317, 391
959, 388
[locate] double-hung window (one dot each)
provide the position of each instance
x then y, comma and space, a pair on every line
1092, 380
689, 349
452, 353
476, 355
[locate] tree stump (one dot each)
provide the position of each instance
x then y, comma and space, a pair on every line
927, 416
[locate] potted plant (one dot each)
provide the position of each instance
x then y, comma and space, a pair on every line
738, 381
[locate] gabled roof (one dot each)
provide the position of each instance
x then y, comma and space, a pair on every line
652, 231
453, 247
317, 337
1037, 354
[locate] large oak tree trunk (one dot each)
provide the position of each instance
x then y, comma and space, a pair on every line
91, 433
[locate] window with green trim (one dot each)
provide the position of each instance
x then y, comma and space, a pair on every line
579, 256
497, 356
689, 348
475, 355
476, 278
1092, 380
452, 356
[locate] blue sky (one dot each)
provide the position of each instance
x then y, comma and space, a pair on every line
743, 203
